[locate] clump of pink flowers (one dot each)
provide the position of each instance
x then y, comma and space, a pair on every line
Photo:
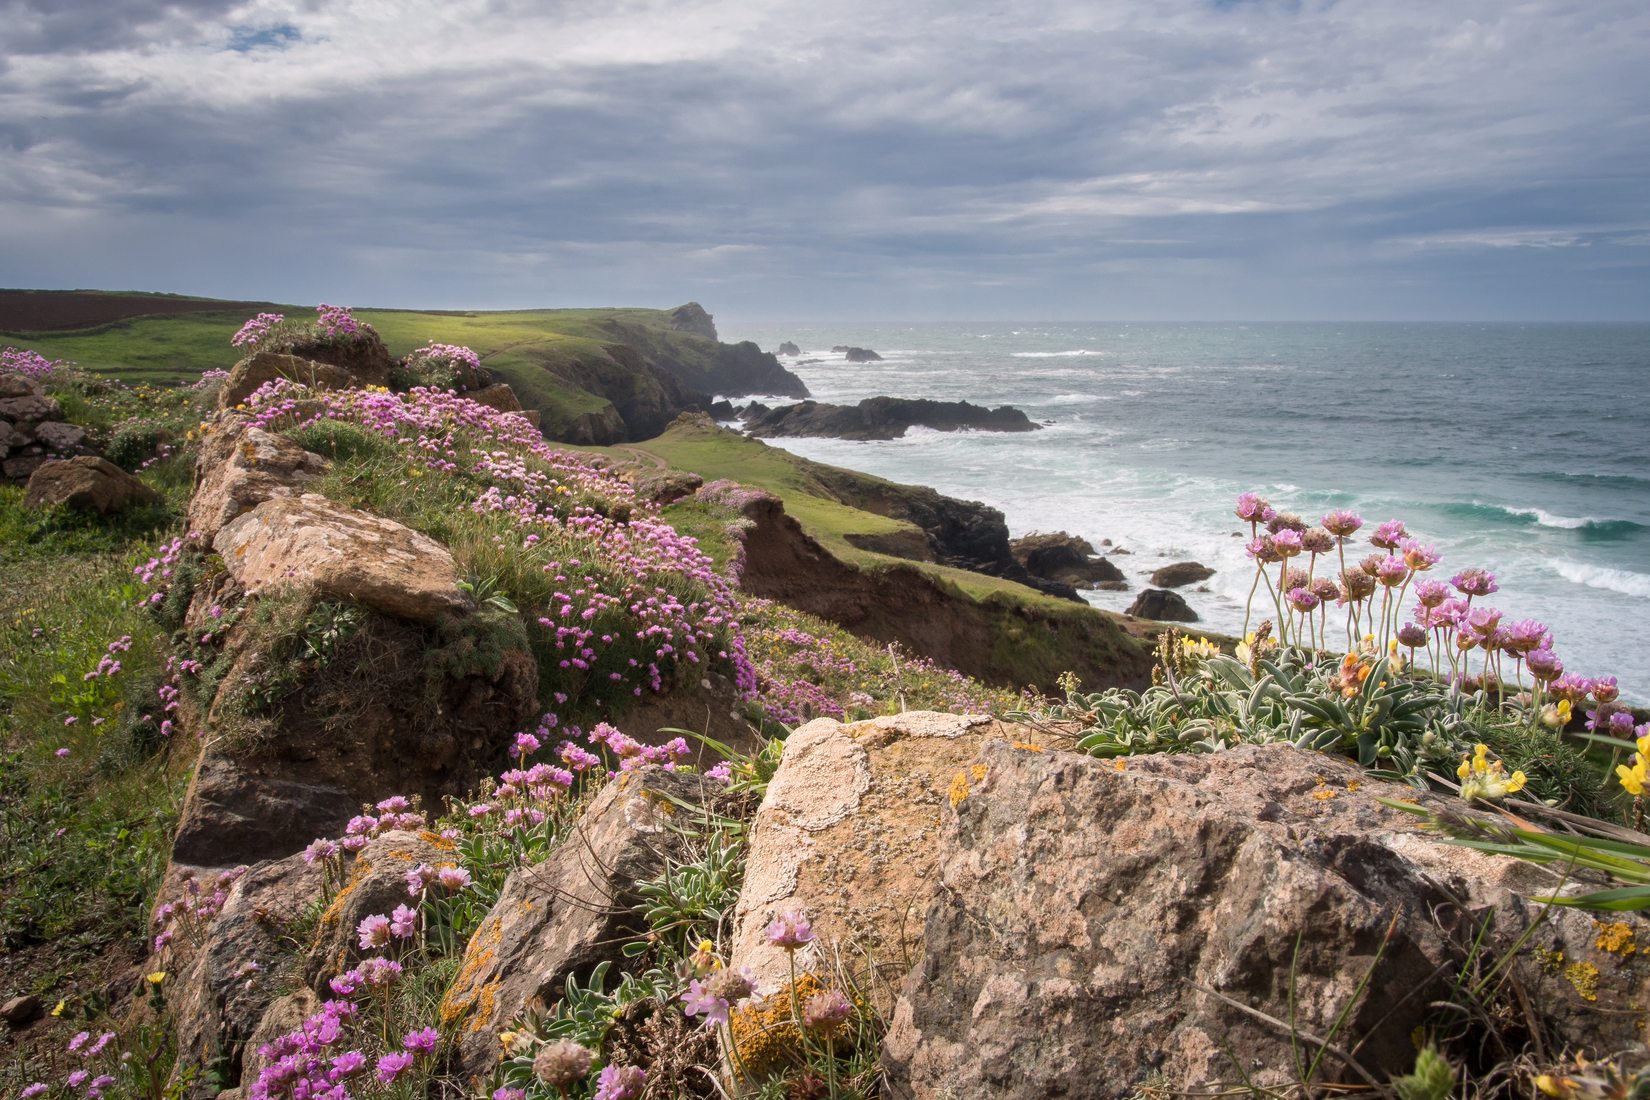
28, 363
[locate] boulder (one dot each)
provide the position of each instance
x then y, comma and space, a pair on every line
284, 1014
563, 916
1095, 925
266, 366
363, 356
309, 542
12, 435
218, 992
499, 396
236, 811
86, 484
847, 835
1161, 605
788, 348
60, 438
20, 466
377, 884
19, 385
1180, 574
30, 408
860, 355
1066, 558
239, 467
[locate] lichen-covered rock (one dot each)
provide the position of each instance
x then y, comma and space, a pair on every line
309, 542
377, 884
1094, 923
30, 408
241, 466
225, 985
847, 835
87, 484
60, 438
266, 366
237, 811
563, 916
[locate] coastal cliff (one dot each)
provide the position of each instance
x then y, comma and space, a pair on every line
447, 761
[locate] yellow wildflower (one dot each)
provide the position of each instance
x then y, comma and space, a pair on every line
1484, 778
155, 978
1636, 775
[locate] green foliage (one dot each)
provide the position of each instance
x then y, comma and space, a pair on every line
1432, 1079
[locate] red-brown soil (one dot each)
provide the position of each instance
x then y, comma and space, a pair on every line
56, 310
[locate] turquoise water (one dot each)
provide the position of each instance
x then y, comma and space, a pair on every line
1518, 448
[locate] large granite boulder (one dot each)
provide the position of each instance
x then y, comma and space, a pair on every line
239, 467
564, 916
309, 542
1095, 925
847, 834
86, 483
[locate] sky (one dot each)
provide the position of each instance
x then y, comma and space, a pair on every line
859, 159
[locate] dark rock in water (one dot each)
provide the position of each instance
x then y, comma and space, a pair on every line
861, 355
693, 318
86, 484
1162, 606
883, 418
1181, 573
722, 410
788, 348
754, 409
1064, 558
838, 349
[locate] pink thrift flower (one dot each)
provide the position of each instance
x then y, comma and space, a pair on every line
391, 1066
374, 931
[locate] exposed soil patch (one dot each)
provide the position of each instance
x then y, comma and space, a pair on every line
55, 310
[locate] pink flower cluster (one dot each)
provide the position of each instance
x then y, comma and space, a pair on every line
28, 363
336, 322
632, 754
199, 904
454, 354
255, 331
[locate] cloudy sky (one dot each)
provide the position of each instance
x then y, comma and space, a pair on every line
798, 159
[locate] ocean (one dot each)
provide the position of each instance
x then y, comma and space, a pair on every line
1520, 448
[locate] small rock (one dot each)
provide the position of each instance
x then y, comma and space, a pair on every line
861, 355
30, 409
62, 438
86, 484
20, 1010
1163, 606
16, 385
788, 348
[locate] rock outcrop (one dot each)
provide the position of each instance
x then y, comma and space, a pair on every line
311, 543
692, 318
86, 484
1180, 574
1066, 558
32, 428
266, 366
1162, 605
860, 355
1093, 926
238, 467
884, 418
563, 916
788, 349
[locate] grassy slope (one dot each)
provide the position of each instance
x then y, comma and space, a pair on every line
517, 345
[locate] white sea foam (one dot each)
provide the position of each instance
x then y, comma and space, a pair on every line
1611, 580
1080, 352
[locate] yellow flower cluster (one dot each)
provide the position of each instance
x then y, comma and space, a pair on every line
1634, 776
1484, 778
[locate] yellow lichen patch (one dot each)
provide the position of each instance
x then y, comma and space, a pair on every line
360, 871
765, 1035
1551, 962
1120, 764
1584, 976
1353, 784
463, 994
1324, 794
959, 789
436, 840
1027, 746
1616, 937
